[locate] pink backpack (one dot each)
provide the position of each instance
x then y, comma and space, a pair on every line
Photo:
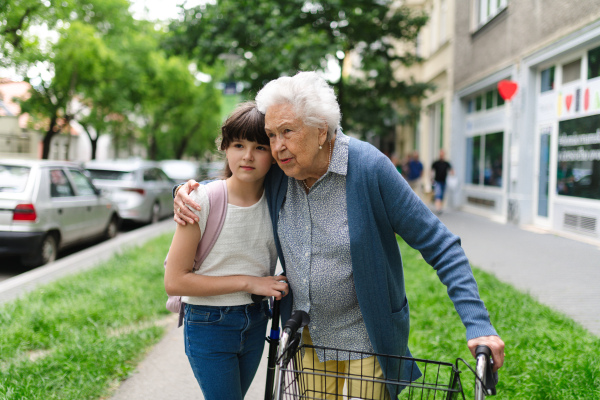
217, 198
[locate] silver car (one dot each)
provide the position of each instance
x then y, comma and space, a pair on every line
48, 205
141, 190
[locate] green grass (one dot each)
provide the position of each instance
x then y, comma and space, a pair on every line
74, 338
548, 356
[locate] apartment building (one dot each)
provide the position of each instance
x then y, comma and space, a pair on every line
535, 159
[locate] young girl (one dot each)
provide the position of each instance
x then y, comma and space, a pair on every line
224, 330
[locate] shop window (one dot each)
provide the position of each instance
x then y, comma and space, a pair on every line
578, 170
571, 71
499, 99
594, 63
484, 159
489, 99
547, 79
479, 103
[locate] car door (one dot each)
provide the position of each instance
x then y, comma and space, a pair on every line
95, 213
166, 192
64, 206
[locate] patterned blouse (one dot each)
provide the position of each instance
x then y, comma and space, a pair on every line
315, 240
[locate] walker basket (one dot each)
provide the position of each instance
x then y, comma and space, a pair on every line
439, 380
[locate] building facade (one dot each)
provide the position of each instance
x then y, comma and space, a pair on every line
533, 159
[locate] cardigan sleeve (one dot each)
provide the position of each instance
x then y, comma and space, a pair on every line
412, 220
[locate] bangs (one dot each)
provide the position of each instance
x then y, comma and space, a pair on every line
246, 123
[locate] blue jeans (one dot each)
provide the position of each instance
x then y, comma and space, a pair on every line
439, 190
224, 346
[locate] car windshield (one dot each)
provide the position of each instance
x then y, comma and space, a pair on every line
13, 178
108, 175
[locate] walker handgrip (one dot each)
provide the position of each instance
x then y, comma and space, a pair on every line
298, 320
490, 378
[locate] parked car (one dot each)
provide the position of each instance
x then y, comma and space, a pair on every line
141, 190
48, 205
212, 170
181, 170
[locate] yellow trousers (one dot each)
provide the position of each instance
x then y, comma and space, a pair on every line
332, 388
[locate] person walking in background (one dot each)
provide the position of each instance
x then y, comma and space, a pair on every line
224, 329
440, 170
415, 172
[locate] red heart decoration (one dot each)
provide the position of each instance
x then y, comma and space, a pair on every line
507, 89
569, 101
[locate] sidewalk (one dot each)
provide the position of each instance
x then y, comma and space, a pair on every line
559, 272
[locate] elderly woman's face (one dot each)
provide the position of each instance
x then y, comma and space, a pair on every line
294, 145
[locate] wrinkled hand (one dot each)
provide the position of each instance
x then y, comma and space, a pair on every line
275, 286
494, 343
182, 214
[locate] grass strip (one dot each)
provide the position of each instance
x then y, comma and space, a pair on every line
74, 338
548, 355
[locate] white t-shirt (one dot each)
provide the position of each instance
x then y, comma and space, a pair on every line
245, 246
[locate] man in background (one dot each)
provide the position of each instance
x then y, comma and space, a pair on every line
440, 170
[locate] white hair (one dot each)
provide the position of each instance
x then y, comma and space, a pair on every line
311, 97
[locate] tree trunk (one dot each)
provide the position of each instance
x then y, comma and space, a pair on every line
50, 133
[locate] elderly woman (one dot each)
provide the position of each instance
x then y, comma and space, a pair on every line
335, 215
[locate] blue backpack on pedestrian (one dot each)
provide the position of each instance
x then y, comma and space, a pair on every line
217, 199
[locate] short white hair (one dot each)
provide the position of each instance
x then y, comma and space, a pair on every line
311, 97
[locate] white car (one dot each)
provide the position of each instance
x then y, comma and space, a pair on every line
140, 189
47, 205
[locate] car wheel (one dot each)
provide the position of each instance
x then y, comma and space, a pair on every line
112, 228
155, 213
44, 254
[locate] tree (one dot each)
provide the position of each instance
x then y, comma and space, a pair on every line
275, 37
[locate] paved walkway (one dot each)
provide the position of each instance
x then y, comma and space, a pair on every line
559, 272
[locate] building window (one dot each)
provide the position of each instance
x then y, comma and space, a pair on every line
571, 71
547, 79
489, 99
594, 63
485, 154
578, 170
479, 103
488, 9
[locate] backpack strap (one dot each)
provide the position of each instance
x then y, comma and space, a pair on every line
217, 199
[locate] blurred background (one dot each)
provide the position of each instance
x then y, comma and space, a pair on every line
509, 89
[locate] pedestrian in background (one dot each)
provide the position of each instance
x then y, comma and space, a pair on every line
224, 329
415, 173
440, 170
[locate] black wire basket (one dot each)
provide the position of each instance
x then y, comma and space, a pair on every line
439, 380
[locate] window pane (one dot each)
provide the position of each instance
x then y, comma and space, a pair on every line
82, 185
594, 63
493, 159
13, 178
489, 99
547, 79
499, 99
473, 156
470, 106
571, 71
578, 172
59, 185
478, 103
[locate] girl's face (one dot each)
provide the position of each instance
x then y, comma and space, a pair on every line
249, 161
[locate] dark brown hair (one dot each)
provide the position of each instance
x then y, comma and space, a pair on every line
245, 122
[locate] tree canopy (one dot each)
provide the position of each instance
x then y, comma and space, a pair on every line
90, 61
261, 41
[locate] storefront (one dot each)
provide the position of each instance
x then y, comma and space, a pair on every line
567, 126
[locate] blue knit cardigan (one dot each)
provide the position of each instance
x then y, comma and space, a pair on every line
380, 205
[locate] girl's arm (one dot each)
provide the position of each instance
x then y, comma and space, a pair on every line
180, 280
